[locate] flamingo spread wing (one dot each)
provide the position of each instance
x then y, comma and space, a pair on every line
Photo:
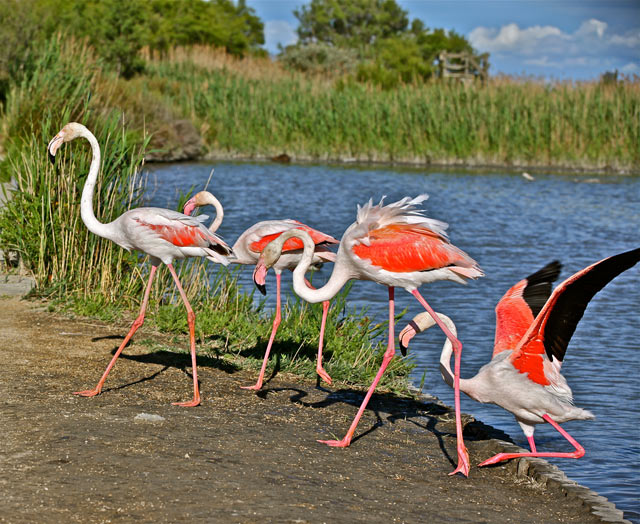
521, 304
548, 337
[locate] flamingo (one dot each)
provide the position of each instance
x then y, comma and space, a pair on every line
162, 234
533, 329
394, 245
246, 250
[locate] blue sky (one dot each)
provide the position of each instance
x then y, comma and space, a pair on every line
561, 39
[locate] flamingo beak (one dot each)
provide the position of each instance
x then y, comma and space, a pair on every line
406, 335
189, 206
53, 147
260, 276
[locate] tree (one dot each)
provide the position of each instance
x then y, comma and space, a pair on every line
118, 32
215, 22
350, 23
389, 50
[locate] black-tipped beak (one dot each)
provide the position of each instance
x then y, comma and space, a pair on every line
53, 146
262, 288
405, 336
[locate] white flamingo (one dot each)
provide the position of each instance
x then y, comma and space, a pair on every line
162, 234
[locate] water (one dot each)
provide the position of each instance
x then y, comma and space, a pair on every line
512, 227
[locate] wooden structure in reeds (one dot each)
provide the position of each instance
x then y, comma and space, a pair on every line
464, 66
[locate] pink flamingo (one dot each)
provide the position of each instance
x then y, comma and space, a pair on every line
162, 234
247, 250
533, 329
394, 245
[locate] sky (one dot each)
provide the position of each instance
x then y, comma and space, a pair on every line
561, 39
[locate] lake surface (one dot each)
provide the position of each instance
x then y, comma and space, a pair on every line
512, 227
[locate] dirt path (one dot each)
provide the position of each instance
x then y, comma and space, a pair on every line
239, 457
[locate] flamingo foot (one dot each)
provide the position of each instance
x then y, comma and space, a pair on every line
189, 404
323, 375
87, 393
337, 443
256, 387
498, 458
463, 461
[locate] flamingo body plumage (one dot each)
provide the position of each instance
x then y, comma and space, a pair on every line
533, 329
246, 251
162, 234
397, 246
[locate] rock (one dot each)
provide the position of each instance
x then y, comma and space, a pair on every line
15, 285
174, 141
148, 417
281, 159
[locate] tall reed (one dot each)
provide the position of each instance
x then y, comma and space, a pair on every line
586, 124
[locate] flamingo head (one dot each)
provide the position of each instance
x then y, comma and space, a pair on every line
200, 199
260, 276
69, 132
405, 336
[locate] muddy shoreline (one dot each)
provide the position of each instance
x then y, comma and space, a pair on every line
129, 455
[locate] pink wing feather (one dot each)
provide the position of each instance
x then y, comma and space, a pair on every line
293, 244
410, 247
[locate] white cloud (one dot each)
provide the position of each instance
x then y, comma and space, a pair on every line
630, 39
278, 32
630, 69
511, 38
591, 27
592, 45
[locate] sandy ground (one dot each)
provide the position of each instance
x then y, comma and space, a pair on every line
128, 455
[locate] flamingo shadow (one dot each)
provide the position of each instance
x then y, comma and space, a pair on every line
167, 359
388, 407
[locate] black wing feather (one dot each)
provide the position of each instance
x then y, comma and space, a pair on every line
572, 302
538, 288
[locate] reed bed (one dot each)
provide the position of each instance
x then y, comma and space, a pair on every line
261, 111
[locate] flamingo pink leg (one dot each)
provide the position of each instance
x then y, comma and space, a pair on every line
191, 321
319, 369
325, 310
136, 324
579, 452
463, 454
274, 329
532, 444
388, 355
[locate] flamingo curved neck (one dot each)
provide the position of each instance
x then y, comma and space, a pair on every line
445, 362
333, 286
86, 202
219, 213
447, 353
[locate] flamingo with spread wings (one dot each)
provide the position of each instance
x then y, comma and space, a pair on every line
247, 249
533, 329
394, 245
162, 234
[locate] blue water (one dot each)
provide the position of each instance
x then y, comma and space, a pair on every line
512, 227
